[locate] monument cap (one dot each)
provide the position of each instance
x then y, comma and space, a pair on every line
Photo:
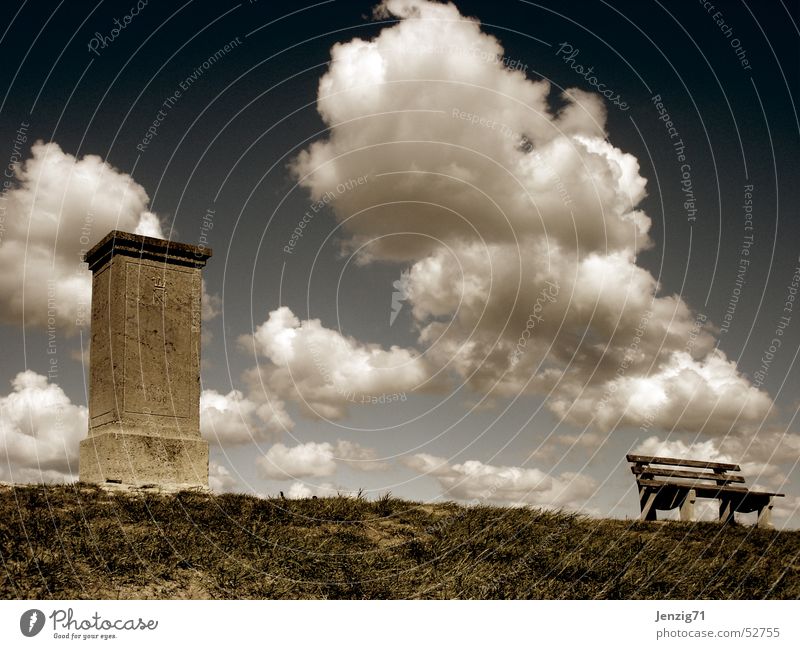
118, 242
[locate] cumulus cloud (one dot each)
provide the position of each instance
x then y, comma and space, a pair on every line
40, 429
220, 479
149, 224
316, 460
521, 227
784, 510
687, 394
760, 458
211, 304
231, 419
299, 490
510, 485
324, 371
685, 450
58, 207
769, 448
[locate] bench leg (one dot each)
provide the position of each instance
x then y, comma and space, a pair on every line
765, 515
726, 511
647, 499
687, 506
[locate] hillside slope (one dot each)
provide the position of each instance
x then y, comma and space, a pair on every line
77, 541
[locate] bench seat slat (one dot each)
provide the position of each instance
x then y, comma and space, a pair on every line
702, 489
677, 473
671, 461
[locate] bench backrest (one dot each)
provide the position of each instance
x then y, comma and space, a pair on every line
672, 470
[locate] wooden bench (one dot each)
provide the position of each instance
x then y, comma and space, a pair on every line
675, 483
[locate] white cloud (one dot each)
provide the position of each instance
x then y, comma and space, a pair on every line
768, 447
211, 304
302, 461
760, 458
326, 371
695, 450
358, 457
299, 490
510, 485
149, 225
501, 197
230, 419
785, 511
316, 460
707, 395
40, 429
58, 207
220, 479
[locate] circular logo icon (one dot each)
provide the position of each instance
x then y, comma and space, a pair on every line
31, 622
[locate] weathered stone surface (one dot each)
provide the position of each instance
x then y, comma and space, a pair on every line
144, 392
131, 459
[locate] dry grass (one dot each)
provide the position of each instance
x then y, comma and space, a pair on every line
77, 541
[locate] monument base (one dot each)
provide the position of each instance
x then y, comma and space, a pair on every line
140, 460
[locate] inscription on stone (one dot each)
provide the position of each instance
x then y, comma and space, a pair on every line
159, 291
159, 358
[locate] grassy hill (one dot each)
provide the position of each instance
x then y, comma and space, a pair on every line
78, 541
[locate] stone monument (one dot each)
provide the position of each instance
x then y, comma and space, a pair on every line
144, 387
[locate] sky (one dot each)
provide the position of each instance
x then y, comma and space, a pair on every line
465, 251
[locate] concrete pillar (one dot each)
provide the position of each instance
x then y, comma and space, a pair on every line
765, 514
687, 506
144, 383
